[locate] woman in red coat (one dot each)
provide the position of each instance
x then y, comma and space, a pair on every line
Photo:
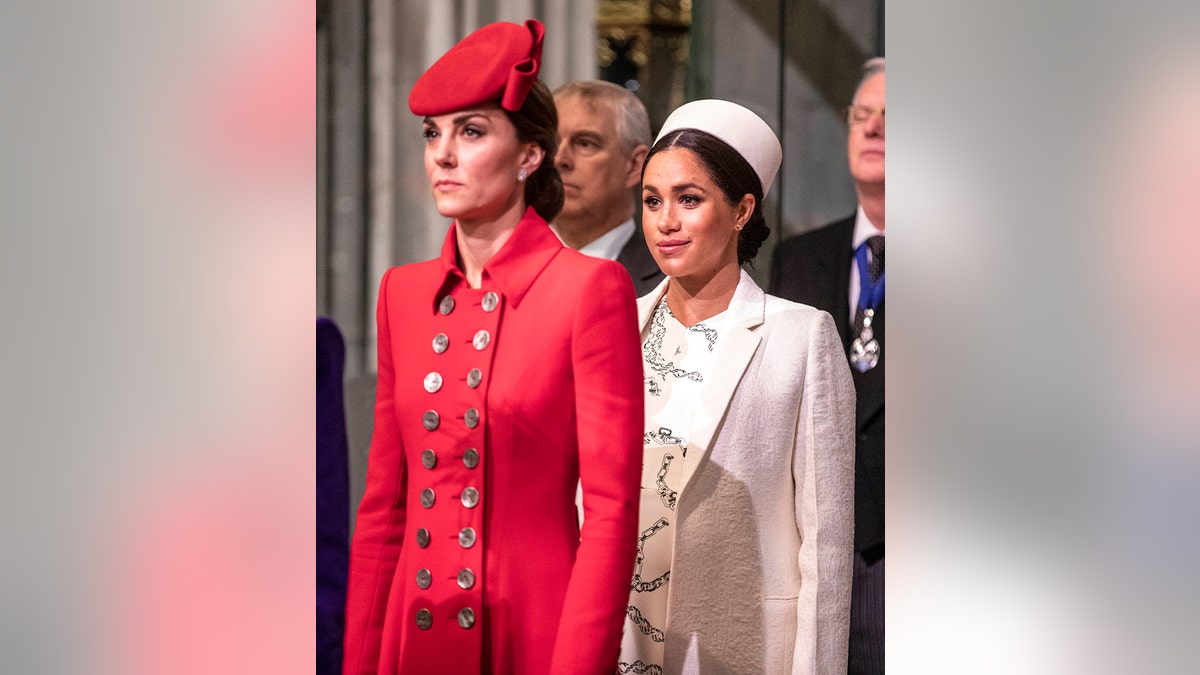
509, 372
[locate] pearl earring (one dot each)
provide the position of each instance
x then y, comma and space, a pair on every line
521, 176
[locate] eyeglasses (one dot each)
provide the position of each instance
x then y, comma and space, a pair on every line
857, 114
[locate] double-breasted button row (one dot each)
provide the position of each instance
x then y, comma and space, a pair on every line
433, 381
431, 420
465, 578
466, 618
470, 459
490, 302
480, 341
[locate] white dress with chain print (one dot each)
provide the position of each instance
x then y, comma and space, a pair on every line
676, 360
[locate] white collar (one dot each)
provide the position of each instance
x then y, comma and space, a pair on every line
863, 229
609, 244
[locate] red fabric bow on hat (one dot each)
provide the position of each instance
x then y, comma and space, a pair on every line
498, 62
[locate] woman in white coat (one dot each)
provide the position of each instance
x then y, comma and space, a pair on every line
746, 518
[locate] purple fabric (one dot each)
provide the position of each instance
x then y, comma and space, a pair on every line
333, 498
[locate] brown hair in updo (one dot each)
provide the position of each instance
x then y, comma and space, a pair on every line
537, 121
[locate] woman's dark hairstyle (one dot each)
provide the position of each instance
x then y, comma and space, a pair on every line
732, 173
537, 121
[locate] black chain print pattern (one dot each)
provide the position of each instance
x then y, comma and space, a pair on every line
639, 668
643, 625
646, 586
650, 351
667, 494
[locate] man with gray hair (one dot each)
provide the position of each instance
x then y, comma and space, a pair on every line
604, 135
839, 268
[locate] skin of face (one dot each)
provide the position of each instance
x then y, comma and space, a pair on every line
691, 229
598, 173
472, 158
866, 140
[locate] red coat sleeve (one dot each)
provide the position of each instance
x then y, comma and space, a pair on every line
606, 355
379, 525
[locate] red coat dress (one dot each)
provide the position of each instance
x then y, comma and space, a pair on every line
491, 404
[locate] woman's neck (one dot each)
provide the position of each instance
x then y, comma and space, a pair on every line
693, 299
479, 240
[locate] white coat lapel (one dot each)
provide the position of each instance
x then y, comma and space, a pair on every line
734, 352
647, 303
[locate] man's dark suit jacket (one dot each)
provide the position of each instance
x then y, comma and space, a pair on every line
636, 258
814, 269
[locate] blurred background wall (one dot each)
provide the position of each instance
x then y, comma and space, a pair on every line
795, 63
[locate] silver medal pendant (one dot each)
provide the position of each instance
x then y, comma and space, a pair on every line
864, 351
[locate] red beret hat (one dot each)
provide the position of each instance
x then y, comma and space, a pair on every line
497, 62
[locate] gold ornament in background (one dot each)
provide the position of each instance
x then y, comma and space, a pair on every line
645, 44
644, 12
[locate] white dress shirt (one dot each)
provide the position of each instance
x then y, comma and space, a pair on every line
609, 244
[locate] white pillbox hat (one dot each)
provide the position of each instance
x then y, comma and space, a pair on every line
739, 127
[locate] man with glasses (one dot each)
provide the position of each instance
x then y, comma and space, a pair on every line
839, 268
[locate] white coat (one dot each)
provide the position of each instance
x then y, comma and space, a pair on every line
760, 579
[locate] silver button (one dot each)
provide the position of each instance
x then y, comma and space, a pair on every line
471, 458
428, 458
466, 617
440, 343
470, 497
471, 418
466, 537
422, 537
430, 420
446, 306
424, 578
424, 619
490, 300
481, 339
433, 382
474, 378
427, 498
466, 578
